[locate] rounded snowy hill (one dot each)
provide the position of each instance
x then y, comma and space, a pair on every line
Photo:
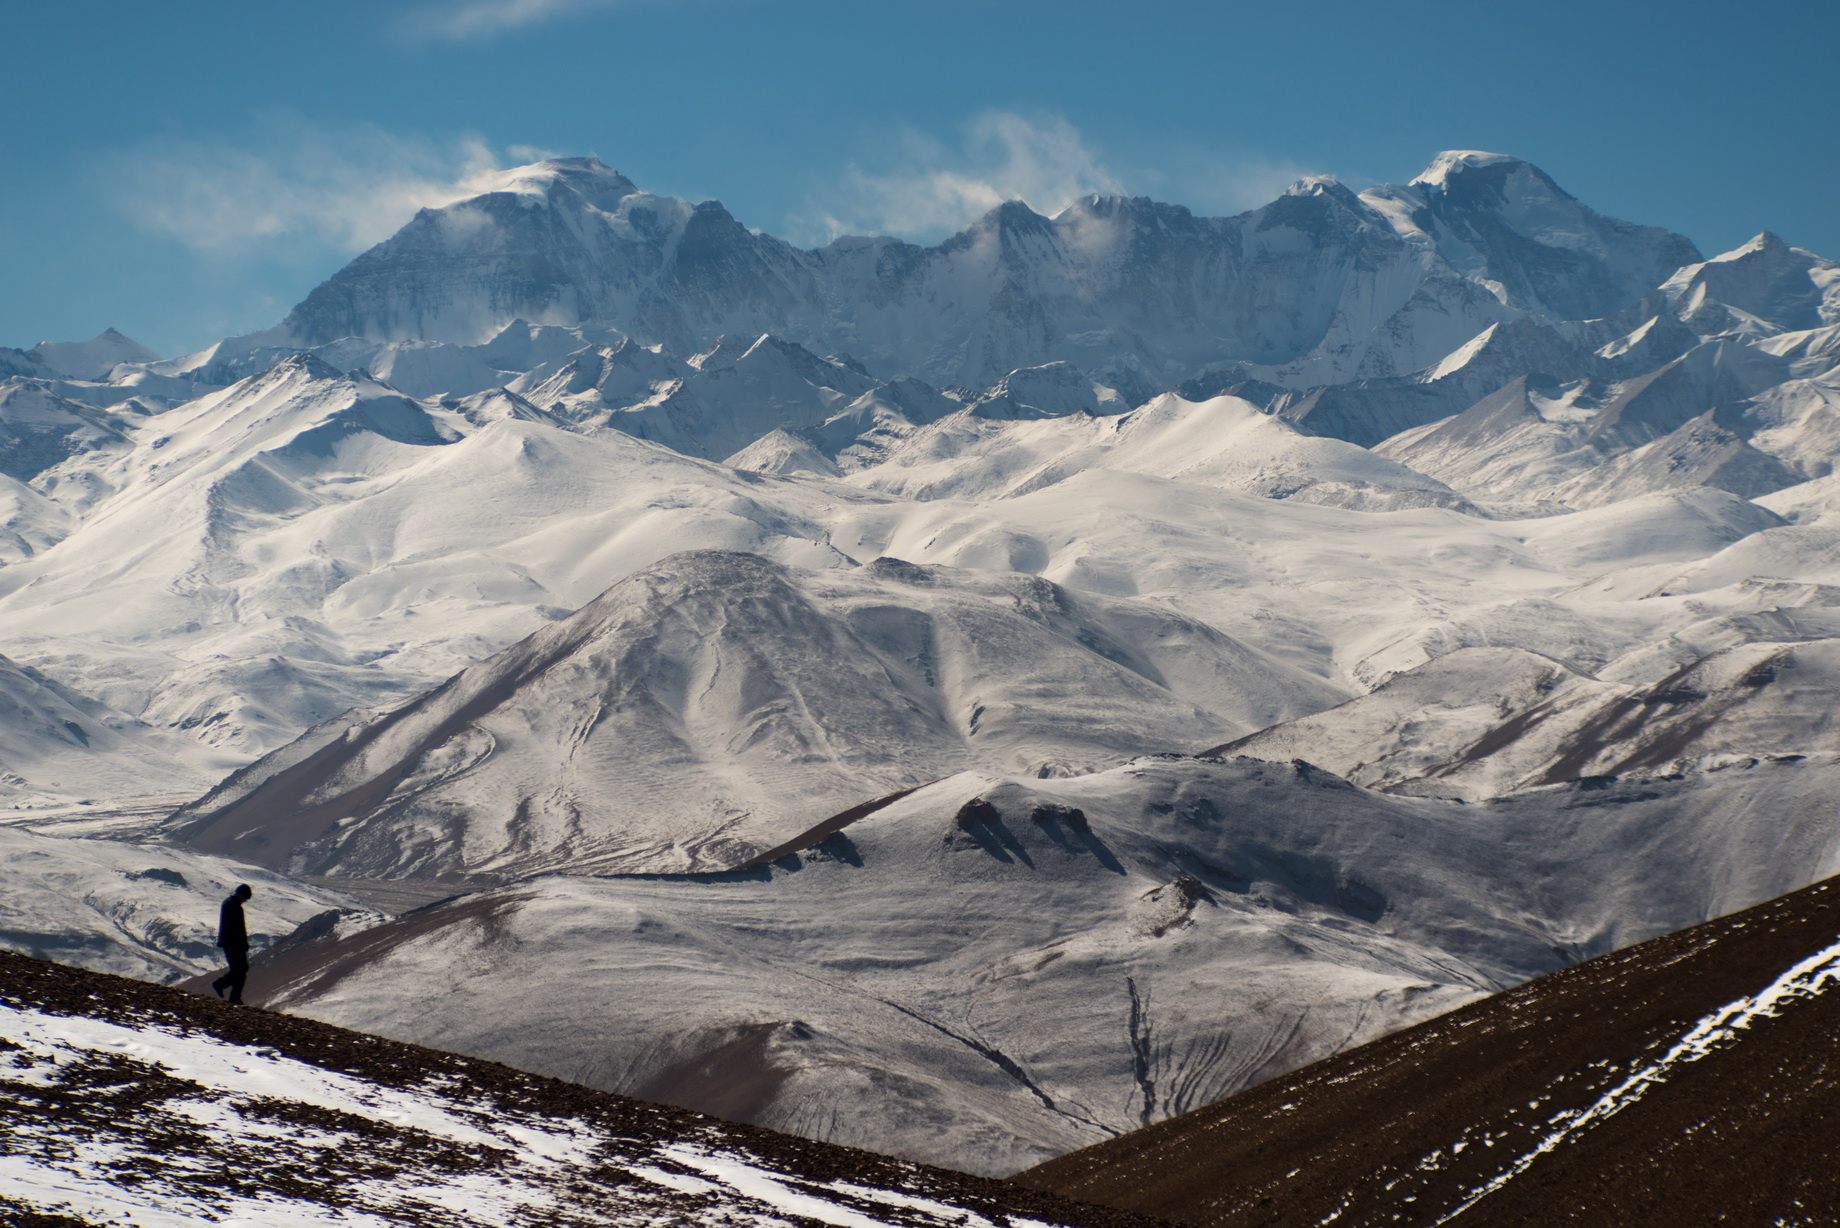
704, 708
1224, 443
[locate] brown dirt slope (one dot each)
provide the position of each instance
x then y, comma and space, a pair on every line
103, 1101
1743, 1128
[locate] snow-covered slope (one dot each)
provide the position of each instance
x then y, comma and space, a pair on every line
60, 747
326, 542
1366, 411
1224, 443
325, 530
726, 404
781, 452
126, 1103
1434, 721
139, 909
998, 968
710, 706
40, 427
1483, 722
29, 522
593, 380
1353, 596
1724, 414
1506, 224
1761, 288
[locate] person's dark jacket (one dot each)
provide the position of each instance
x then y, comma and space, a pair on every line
232, 934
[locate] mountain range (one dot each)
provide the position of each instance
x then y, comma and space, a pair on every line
967, 701
1322, 285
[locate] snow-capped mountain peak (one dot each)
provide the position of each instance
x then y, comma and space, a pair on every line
1506, 224
1762, 241
92, 359
1317, 185
589, 176
1451, 163
1012, 215
1763, 286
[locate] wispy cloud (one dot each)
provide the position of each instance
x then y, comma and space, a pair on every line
342, 188
1000, 156
1212, 181
935, 187
466, 20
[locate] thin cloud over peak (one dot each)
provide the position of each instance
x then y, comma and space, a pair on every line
1042, 160
933, 188
343, 188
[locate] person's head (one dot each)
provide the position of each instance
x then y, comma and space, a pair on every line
242, 891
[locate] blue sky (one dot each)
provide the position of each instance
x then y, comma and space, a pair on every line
187, 170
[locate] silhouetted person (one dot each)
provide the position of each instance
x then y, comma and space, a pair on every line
233, 937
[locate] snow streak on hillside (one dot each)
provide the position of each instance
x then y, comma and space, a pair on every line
158, 1117
1816, 974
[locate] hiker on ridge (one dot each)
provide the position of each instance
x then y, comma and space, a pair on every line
233, 937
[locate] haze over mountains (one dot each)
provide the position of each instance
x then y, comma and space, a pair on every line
876, 672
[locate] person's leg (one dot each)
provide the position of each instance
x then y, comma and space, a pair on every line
223, 982
239, 973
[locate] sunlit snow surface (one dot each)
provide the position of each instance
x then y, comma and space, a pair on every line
228, 1132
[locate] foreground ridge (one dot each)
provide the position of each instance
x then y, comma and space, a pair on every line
1687, 1076
118, 1096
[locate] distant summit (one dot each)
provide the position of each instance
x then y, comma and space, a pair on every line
94, 358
